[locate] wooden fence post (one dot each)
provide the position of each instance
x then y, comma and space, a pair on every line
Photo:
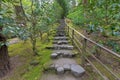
98, 52
72, 37
83, 51
68, 30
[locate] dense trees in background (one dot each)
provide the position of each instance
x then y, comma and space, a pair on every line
103, 13
67, 5
100, 17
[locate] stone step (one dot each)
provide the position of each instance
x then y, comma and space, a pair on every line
66, 67
60, 70
61, 38
66, 47
61, 42
60, 30
54, 55
60, 54
75, 69
60, 47
60, 35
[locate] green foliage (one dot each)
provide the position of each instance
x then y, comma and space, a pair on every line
21, 33
66, 6
77, 16
100, 17
114, 45
99, 12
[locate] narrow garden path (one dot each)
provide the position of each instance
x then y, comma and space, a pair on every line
64, 66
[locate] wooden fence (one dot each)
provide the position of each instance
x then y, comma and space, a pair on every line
90, 50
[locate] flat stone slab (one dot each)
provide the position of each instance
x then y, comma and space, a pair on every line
77, 70
59, 42
60, 38
66, 54
59, 53
60, 70
67, 47
56, 66
58, 47
61, 33
62, 42
62, 61
66, 67
54, 55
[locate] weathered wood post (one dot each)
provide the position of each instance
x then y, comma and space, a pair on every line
98, 52
72, 37
83, 55
68, 30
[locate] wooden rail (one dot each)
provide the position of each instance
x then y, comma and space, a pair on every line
83, 43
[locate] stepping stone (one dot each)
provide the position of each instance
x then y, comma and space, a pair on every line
58, 47
61, 38
65, 54
56, 66
65, 42
59, 42
62, 42
54, 55
65, 47
61, 34
77, 70
58, 53
66, 67
60, 70
70, 47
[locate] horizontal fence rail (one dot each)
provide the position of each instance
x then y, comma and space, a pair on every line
82, 43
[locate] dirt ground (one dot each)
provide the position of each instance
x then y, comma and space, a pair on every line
15, 63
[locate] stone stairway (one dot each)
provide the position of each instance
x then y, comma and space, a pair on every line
63, 62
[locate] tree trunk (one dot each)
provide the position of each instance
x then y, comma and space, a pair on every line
4, 57
34, 47
33, 39
106, 13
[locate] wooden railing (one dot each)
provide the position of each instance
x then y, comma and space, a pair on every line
86, 45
